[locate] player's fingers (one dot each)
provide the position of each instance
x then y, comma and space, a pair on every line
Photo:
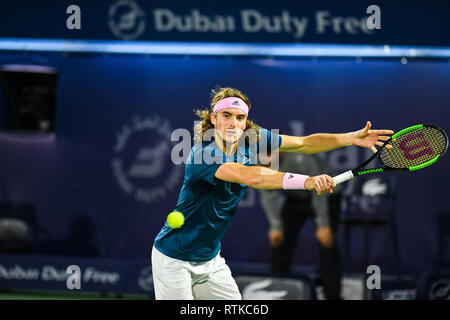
330, 188
383, 132
318, 186
381, 143
384, 138
330, 180
373, 149
321, 185
328, 183
324, 182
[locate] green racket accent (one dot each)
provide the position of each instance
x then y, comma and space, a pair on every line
425, 164
407, 130
369, 171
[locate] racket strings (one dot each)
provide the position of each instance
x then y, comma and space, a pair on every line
414, 148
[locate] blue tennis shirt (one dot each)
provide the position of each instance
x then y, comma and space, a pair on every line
208, 203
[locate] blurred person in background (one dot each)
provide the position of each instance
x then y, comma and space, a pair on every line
287, 212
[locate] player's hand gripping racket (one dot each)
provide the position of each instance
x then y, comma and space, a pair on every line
413, 148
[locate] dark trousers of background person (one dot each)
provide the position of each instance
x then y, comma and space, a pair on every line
295, 214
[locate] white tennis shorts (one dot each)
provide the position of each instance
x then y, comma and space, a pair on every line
175, 279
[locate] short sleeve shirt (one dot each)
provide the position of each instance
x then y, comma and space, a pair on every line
207, 202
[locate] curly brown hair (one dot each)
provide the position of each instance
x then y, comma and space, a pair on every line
217, 94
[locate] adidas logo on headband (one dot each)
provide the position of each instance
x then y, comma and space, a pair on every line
235, 103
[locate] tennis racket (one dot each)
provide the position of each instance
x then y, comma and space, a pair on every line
412, 149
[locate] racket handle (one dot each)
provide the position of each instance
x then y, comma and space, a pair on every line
343, 177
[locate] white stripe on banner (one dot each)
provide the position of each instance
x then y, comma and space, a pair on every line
220, 49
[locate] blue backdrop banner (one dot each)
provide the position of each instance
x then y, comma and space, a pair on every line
401, 22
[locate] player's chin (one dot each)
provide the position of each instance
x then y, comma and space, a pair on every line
231, 138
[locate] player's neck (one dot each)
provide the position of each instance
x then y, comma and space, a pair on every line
227, 148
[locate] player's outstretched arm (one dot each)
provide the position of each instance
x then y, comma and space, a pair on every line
265, 178
322, 142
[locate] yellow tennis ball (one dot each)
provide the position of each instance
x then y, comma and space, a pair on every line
175, 219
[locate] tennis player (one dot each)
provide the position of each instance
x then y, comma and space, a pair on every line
186, 261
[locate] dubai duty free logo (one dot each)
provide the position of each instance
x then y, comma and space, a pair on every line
141, 159
126, 19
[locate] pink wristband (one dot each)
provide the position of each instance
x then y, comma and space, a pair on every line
292, 181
